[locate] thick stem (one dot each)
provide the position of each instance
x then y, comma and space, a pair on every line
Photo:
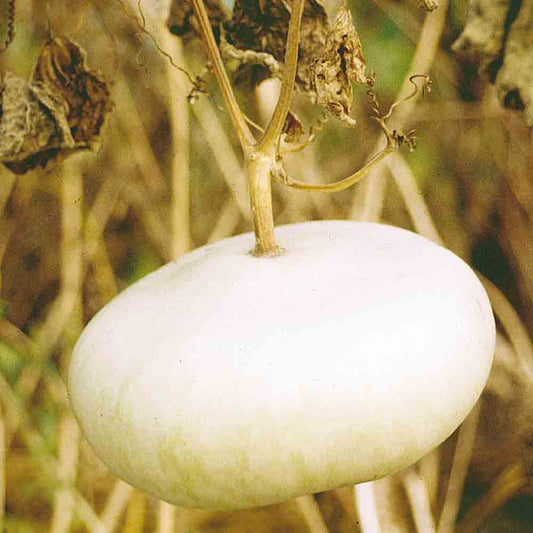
270, 138
260, 156
259, 167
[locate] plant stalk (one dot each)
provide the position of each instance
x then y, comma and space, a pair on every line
270, 138
246, 137
259, 166
260, 155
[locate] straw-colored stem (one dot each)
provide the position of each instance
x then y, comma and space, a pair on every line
261, 200
513, 327
506, 485
115, 505
413, 198
456, 481
88, 516
418, 496
259, 156
312, 514
180, 175
135, 514
429, 468
270, 138
131, 128
223, 154
64, 499
241, 127
227, 221
172, 519
95, 250
366, 508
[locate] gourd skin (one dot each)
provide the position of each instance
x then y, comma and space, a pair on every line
225, 381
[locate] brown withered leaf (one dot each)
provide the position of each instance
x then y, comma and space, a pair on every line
62, 77
181, 20
27, 131
262, 26
340, 64
63, 107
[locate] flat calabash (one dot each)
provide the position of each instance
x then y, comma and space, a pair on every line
225, 381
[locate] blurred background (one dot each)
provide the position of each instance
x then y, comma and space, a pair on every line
168, 178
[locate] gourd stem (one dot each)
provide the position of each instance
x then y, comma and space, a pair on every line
260, 155
269, 140
246, 137
259, 166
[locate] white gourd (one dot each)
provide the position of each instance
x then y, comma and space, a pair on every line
225, 381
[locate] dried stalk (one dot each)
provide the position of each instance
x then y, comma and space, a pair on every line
223, 153
132, 128
241, 127
96, 221
456, 482
116, 503
259, 156
365, 505
180, 175
413, 198
226, 223
64, 499
311, 512
429, 468
418, 496
135, 515
269, 140
506, 485
171, 519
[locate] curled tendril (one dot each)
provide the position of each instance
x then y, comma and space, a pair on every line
371, 95
426, 88
10, 26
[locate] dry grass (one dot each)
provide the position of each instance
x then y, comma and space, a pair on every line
169, 178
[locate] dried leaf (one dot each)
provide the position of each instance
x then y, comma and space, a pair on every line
262, 26
482, 39
498, 37
181, 20
63, 107
339, 65
26, 129
514, 81
62, 79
